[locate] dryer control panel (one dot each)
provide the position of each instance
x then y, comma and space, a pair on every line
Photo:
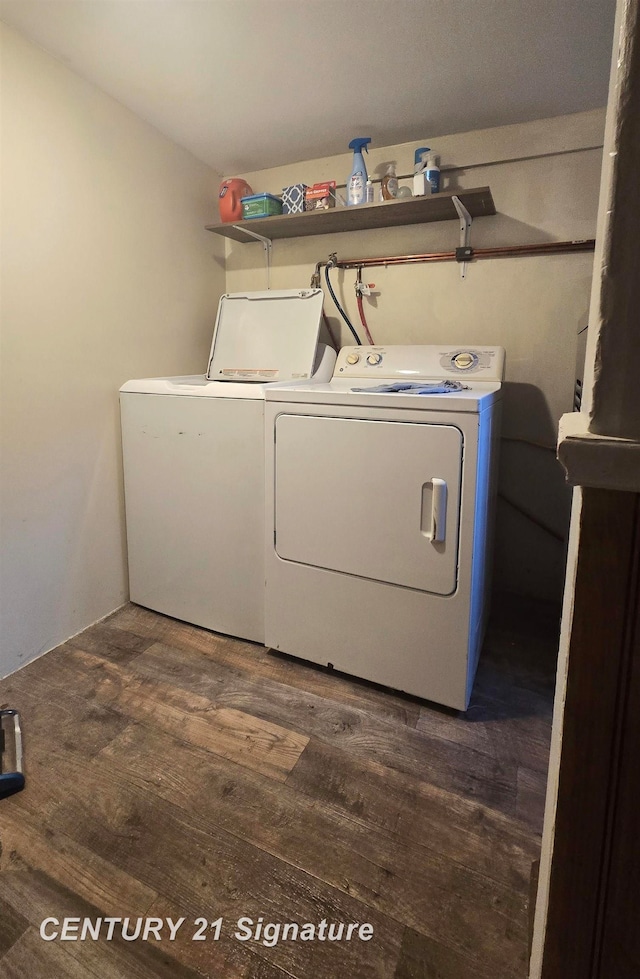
421, 362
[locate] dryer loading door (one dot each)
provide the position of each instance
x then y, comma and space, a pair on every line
377, 499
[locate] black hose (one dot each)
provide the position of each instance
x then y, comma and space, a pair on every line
339, 307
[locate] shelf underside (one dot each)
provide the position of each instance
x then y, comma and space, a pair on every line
387, 214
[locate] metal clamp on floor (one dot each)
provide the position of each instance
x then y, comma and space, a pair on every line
11, 770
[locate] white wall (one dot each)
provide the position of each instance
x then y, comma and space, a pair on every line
107, 274
544, 177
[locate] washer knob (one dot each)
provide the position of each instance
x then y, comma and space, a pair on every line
463, 361
374, 358
353, 358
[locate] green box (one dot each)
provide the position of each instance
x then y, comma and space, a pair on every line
260, 206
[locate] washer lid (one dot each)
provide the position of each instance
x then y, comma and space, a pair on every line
266, 336
193, 386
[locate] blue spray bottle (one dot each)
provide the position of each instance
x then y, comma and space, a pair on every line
419, 168
357, 182
432, 174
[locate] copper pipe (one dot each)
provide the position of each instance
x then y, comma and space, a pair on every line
503, 251
543, 248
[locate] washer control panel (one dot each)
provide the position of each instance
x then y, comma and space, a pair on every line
480, 361
420, 362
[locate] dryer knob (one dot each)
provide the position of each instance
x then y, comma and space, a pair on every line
352, 358
374, 358
463, 361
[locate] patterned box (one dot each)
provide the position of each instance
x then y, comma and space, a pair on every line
293, 199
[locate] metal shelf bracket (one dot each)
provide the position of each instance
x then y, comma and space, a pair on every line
465, 231
267, 246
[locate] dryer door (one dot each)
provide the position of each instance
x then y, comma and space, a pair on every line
377, 499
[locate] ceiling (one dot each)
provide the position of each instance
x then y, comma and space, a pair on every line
246, 84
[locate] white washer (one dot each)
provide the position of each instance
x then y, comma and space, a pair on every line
193, 450
379, 517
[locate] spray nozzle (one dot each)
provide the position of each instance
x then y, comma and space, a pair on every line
360, 144
417, 156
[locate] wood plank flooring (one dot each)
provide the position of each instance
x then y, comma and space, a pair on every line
173, 772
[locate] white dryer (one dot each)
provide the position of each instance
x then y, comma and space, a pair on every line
379, 516
193, 450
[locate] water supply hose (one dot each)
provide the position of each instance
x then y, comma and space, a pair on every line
329, 265
363, 320
360, 302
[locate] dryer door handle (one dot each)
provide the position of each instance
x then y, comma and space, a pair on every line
434, 526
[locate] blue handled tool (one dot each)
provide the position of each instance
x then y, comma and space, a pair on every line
11, 773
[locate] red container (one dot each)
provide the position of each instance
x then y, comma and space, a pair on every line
229, 195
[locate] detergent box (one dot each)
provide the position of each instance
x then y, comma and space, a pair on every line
320, 197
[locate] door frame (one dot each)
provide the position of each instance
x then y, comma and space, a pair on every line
589, 889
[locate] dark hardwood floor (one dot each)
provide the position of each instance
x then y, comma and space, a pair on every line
172, 772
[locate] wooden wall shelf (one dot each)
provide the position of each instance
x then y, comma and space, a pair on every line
386, 214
